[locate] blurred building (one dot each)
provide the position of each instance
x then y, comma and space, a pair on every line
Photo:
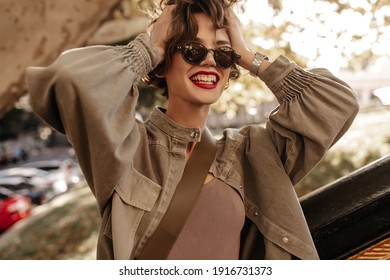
366, 83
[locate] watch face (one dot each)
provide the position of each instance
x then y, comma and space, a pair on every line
257, 60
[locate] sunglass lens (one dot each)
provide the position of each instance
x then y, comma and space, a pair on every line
224, 57
194, 53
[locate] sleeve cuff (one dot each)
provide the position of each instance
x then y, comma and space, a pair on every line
286, 79
140, 54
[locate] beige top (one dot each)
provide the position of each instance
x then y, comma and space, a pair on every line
212, 231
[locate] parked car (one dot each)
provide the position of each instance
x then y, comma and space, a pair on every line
67, 169
37, 195
39, 185
13, 208
21, 171
17, 156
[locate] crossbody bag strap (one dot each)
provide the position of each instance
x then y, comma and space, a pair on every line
183, 200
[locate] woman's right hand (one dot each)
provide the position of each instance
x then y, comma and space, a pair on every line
159, 30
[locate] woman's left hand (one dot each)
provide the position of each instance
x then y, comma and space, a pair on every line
237, 39
236, 36
238, 42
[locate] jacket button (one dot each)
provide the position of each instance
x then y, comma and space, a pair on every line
285, 239
256, 213
240, 186
194, 134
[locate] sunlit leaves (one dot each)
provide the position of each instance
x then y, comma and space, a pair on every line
335, 34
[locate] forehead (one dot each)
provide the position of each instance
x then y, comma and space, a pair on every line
207, 32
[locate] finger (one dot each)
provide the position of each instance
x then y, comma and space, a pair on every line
159, 30
235, 30
163, 21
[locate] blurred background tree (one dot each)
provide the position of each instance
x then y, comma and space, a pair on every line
35, 32
16, 122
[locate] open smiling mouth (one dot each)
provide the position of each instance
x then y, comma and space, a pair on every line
205, 80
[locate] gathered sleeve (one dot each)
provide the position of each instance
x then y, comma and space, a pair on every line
315, 110
90, 94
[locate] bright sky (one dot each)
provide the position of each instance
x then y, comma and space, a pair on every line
320, 32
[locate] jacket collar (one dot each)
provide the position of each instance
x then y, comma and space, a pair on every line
170, 127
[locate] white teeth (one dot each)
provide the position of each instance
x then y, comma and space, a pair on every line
205, 79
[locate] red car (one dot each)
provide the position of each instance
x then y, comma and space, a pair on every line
13, 208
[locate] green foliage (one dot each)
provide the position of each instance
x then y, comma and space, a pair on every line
366, 141
16, 122
149, 98
333, 166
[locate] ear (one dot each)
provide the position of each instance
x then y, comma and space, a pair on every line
234, 73
159, 71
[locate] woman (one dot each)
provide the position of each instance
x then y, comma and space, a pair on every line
133, 167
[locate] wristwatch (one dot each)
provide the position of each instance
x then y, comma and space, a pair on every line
257, 60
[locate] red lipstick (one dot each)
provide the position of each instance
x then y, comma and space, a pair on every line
205, 79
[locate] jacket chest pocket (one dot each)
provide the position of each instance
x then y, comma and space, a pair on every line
129, 203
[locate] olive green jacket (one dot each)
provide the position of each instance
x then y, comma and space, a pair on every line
133, 167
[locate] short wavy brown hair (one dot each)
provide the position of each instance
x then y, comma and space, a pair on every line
184, 28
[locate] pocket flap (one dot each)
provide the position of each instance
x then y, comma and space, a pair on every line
139, 191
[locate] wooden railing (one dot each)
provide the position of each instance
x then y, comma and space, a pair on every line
351, 214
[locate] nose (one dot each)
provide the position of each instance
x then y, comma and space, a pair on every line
209, 60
